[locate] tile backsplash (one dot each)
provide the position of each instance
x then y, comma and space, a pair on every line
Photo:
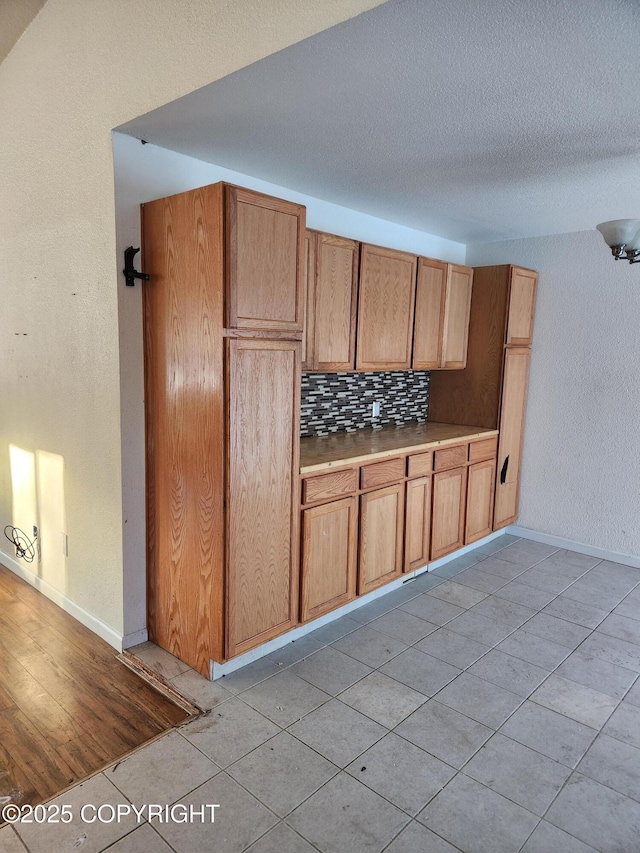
341, 402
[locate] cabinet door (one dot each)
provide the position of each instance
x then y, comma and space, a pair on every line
480, 494
381, 524
417, 533
512, 414
329, 544
262, 529
522, 303
264, 261
456, 317
336, 295
449, 496
385, 309
431, 288
309, 293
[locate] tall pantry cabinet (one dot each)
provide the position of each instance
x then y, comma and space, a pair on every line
223, 320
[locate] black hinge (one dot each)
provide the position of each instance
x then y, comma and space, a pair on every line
130, 272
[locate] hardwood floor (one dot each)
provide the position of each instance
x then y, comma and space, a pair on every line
67, 705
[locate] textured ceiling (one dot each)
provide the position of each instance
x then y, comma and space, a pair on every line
473, 121
15, 17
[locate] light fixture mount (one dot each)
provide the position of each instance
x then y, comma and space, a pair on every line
623, 238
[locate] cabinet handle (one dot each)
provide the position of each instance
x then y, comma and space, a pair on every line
503, 472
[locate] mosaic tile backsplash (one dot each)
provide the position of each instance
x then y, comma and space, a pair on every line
341, 402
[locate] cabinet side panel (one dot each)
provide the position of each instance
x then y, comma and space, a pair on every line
309, 297
514, 404
264, 378
184, 397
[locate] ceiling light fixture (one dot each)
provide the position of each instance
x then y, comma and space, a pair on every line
623, 238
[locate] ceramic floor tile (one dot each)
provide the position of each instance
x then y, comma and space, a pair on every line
476, 578
402, 773
534, 649
557, 630
345, 815
420, 671
247, 676
443, 732
142, 840
615, 764
427, 580
416, 837
495, 545
458, 594
612, 650
582, 561
331, 670
595, 814
162, 771
504, 611
526, 552
281, 839
622, 628
282, 773
597, 673
402, 626
480, 628
504, 569
547, 838
624, 577
284, 698
295, 651
458, 564
383, 699
590, 590
546, 580
583, 704
229, 731
452, 648
624, 724
206, 694
529, 779
575, 611
369, 647
432, 609
629, 608
559, 566
9, 841
477, 819
484, 702
371, 610
549, 733
160, 661
633, 696
337, 732
334, 630
239, 821
528, 596
509, 672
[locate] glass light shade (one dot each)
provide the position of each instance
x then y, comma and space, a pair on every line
619, 232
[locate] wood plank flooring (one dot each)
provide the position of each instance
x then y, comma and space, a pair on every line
67, 705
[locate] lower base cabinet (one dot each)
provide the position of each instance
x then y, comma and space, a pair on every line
381, 537
480, 492
417, 532
329, 554
449, 500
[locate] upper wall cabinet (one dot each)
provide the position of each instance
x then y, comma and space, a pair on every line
308, 292
522, 301
385, 309
443, 302
264, 238
336, 295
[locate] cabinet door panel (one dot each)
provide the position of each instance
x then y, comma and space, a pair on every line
514, 404
429, 317
309, 291
456, 317
522, 301
385, 309
264, 262
449, 495
336, 302
329, 546
480, 494
262, 535
417, 536
381, 526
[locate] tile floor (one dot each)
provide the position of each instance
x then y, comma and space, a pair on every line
492, 706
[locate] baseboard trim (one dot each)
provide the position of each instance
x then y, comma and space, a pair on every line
135, 638
571, 545
63, 601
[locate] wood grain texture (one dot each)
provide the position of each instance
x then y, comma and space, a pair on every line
184, 397
336, 299
381, 473
263, 491
385, 309
381, 537
309, 297
329, 557
522, 304
264, 261
326, 487
450, 457
417, 532
455, 328
68, 707
420, 464
431, 289
485, 449
480, 500
449, 499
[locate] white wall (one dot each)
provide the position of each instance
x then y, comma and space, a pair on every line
142, 173
581, 464
79, 70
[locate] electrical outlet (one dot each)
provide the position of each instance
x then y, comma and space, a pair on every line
65, 545
375, 410
35, 531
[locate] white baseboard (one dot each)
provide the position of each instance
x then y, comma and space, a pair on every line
570, 545
87, 619
135, 638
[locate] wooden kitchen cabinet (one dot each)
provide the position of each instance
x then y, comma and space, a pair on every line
514, 404
449, 499
309, 294
480, 497
381, 535
385, 309
456, 317
335, 301
329, 557
522, 302
417, 532
264, 262
441, 329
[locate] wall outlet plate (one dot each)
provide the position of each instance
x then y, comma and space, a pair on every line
375, 410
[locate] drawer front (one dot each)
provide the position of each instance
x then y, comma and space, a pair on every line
328, 486
450, 457
485, 449
420, 464
389, 471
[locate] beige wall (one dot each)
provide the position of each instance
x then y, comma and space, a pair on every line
80, 69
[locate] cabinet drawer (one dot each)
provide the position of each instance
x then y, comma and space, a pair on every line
389, 471
328, 486
450, 457
420, 464
485, 449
